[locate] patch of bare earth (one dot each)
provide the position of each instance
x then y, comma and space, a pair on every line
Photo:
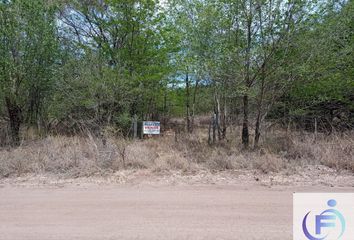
315, 175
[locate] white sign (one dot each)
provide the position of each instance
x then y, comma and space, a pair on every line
323, 216
150, 127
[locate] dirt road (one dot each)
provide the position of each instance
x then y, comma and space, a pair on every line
146, 212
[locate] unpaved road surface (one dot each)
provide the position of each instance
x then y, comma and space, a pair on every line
147, 212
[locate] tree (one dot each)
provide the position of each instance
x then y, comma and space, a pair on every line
322, 65
124, 44
28, 49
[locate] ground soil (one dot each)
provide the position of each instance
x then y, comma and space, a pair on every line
143, 205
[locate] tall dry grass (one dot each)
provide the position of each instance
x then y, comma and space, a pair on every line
88, 156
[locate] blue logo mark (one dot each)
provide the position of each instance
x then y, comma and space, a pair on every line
326, 220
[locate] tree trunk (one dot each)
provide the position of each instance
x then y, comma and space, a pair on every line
135, 126
245, 133
209, 130
214, 128
194, 102
224, 120
14, 112
257, 131
165, 110
217, 114
34, 106
259, 109
188, 120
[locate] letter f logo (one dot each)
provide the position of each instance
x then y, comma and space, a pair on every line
326, 219
320, 224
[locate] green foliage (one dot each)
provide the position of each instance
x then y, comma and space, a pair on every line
102, 62
28, 52
324, 67
123, 62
